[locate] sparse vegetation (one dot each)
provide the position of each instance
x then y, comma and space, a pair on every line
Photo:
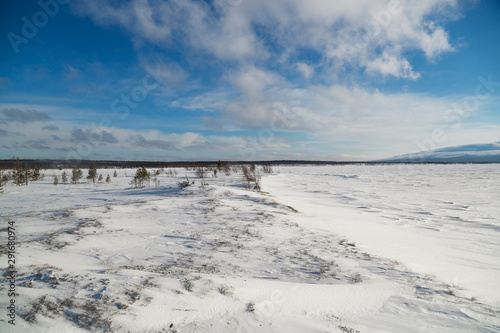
266, 168
76, 175
251, 307
92, 174
225, 290
226, 168
23, 173
201, 172
184, 183
141, 177
171, 173
187, 284
64, 178
251, 177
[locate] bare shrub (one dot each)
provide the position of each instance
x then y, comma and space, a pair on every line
266, 168
251, 176
184, 183
201, 172
226, 168
171, 173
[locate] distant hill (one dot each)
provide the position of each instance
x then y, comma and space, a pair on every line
476, 153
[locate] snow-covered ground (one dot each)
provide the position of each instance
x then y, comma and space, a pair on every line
320, 249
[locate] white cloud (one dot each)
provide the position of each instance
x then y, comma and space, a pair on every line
306, 70
211, 101
372, 34
318, 39
252, 82
391, 65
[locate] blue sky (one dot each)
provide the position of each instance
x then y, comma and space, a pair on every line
241, 80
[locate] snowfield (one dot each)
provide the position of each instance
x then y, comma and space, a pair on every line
354, 248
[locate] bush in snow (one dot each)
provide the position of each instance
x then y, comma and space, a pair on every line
92, 175
141, 176
76, 175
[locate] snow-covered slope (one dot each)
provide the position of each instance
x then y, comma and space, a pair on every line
322, 249
489, 153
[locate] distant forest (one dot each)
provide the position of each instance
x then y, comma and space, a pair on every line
103, 164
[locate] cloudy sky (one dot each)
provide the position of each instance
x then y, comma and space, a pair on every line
246, 79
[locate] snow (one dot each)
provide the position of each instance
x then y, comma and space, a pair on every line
320, 249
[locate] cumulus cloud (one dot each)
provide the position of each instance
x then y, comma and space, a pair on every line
372, 34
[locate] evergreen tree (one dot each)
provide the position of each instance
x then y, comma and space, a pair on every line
140, 177
56, 180
115, 174
1, 182
92, 175
108, 179
76, 175
219, 165
25, 174
100, 177
35, 173
17, 171
64, 177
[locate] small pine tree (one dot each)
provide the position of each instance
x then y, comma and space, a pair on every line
100, 177
140, 177
25, 174
35, 173
17, 171
56, 180
108, 179
115, 174
64, 177
92, 175
219, 165
76, 175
